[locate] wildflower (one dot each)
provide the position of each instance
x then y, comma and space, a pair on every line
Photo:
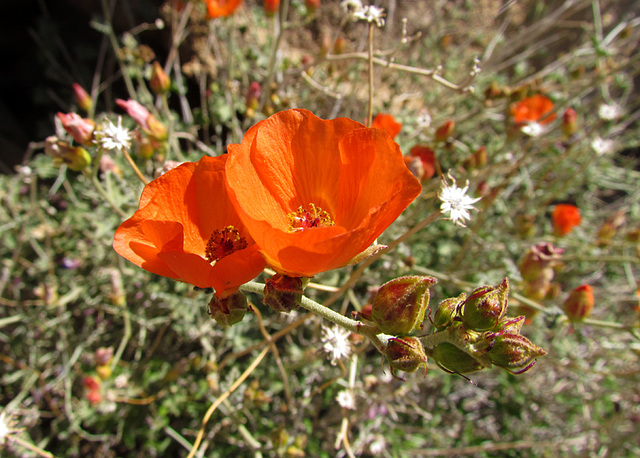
369, 13
346, 400
83, 99
533, 109
271, 6
112, 136
187, 229
428, 159
533, 129
159, 82
336, 343
79, 128
312, 5
602, 146
423, 120
6, 427
579, 304
224, 8
455, 202
387, 122
315, 194
565, 217
609, 112
147, 122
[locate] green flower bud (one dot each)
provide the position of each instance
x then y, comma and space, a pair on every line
405, 354
229, 310
283, 293
78, 160
447, 311
400, 305
453, 360
511, 325
486, 305
514, 353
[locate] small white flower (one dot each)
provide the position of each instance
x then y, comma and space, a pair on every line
423, 119
5, 427
533, 129
455, 202
112, 136
346, 400
371, 14
602, 146
378, 445
336, 343
610, 112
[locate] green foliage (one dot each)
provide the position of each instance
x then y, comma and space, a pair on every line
65, 293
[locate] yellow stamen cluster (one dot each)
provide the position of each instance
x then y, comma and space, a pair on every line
303, 219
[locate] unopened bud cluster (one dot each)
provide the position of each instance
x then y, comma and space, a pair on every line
538, 267
478, 334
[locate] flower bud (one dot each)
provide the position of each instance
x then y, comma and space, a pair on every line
486, 305
510, 324
75, 157
569, 122
229, 310
400, 305
339, 45
564, 218
312, 5
480, 156
579, 304
283, 293
453, 360
79, 128
83, 99
445, 131
155, 129
514, 353
447, 311
159, 82
405, 354
271, 6
539, 258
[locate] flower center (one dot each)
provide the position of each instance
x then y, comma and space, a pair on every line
224, 242
303, 218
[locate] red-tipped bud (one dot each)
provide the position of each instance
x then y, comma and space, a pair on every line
159, 82
229, 310
76, 158
445, 131
427, 158
83, 99
514, 353
339, 45
538, 259
253, 95
156, 130
271, 6
486, 306
579, 304
283, 293
447, 311
455, 361
569, 122
405, 354
510, 324
79, 128
312, 5
480, 157
400, 305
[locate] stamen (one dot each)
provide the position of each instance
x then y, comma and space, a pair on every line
224, 242
303, 219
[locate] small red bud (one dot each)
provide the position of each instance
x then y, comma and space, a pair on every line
405, 354
514, 353
579, 304
445, 131
569, 122
400, 305
486, 306
159, 82
83, 99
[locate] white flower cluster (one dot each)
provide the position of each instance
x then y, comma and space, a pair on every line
336, 343
112, 136
368, 13
455, 202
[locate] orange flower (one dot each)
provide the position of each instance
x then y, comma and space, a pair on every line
565, 217
533, 109
387, 122
314, 194
217, 8
187, 229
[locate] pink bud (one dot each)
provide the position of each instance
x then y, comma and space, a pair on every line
79, 128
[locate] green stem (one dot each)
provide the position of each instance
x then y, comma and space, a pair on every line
372, 332
98, 187
116, 49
